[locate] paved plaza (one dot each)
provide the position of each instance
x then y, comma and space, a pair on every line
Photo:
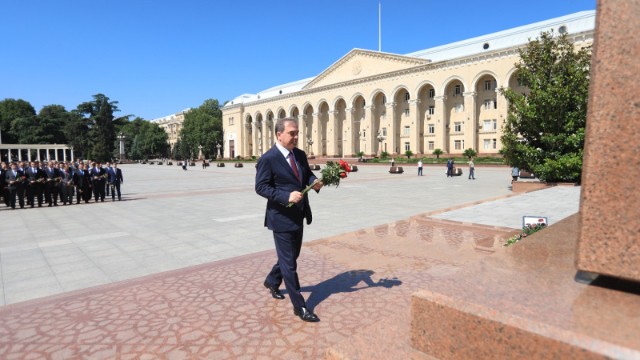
171, 219
175, 270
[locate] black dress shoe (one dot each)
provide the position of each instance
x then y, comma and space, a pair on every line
275, 292
305, 314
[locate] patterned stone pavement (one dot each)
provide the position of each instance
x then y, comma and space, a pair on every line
359, 283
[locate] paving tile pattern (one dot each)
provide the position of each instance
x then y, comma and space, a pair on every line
220, 310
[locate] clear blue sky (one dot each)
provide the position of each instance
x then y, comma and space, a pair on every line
157, 57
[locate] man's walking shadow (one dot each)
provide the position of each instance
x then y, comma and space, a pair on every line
345, 282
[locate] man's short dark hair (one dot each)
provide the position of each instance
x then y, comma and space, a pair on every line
280, 123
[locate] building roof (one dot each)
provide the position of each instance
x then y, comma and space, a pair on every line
573, 24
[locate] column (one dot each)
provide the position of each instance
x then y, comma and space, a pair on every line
348, 146
442, 132
9, 156
302, 135
64, 155
256, 137
20, 154
372, 130
470, 109
317, 135
416, 127
392, 135
264, 138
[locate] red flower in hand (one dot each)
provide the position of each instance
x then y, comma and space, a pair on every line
343, 174
345, 166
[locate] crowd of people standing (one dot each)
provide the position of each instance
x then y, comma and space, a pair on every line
55, 183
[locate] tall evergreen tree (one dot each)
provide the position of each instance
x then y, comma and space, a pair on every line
102, 131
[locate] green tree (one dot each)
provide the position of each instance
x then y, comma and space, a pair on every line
101, 122
52, 119
12, 110
545, 127
202, 126
143, 140
437, 153
76, 131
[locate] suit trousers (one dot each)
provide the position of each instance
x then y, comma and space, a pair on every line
288, 245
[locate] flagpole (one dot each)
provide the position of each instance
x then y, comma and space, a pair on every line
379, 26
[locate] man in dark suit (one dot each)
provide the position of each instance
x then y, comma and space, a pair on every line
98, 181
35, 180
51, 184
118, 179
14, 178
282, 172
82, 183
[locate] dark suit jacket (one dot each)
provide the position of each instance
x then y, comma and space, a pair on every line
10, 177
82, 180
275, 180
119, 177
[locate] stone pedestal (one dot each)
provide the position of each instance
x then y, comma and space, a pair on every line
530, 302
610, 196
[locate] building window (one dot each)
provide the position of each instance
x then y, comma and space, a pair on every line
495, 124
231, 121
457, 90
495, 103
459, 108
406, 112
458, 144
487, 144
384, 131
431, 128
487, 85
406, 97
488, 104
432, 110
406, 131
486, 126
457, 127
384, 100
407, 147
432, 93
495, 144
431, 145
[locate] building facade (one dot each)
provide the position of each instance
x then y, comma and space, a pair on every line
445, 98
172, 124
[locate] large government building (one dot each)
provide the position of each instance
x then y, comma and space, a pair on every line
444, 98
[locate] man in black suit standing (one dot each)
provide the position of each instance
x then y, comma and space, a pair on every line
14, 178
282, 172
116, 184
98, 181
82, 183
51, 184
35, 180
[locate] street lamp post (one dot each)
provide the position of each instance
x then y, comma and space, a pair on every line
380, 140
121, 137
310, 143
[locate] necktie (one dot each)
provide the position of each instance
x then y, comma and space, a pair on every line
293, 165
